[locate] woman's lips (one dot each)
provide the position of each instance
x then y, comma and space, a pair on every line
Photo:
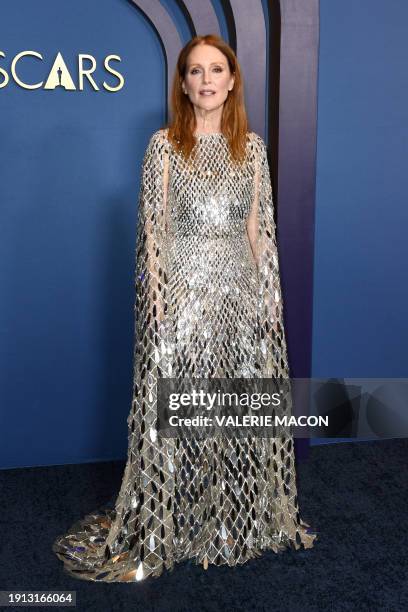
204, 92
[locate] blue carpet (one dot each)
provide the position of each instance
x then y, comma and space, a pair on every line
355, 495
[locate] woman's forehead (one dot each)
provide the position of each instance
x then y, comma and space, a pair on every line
205, 54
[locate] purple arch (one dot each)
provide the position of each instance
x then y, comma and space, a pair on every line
297, 171
203, 16
251, 52
168, 35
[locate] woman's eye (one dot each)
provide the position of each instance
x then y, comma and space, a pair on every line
195, 70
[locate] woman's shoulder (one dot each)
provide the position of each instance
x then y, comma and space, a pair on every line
256, 140
157, 143
159, 137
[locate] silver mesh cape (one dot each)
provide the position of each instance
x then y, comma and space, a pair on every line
207, 306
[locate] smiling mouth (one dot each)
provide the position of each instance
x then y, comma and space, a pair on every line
208, 92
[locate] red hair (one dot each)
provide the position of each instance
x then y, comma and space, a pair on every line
234, 122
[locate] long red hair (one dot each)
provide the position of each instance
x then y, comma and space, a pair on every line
234, 122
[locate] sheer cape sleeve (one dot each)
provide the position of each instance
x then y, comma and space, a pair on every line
151, 308
143, 506
272, 341
151, 285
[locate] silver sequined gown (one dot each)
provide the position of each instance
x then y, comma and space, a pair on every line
206, 306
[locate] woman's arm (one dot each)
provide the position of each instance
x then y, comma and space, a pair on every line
252, 222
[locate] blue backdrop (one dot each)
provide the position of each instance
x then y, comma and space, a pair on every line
360, 301
70, 167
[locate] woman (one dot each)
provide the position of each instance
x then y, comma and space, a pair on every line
208, 305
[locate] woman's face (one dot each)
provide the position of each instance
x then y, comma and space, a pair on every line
208, 77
